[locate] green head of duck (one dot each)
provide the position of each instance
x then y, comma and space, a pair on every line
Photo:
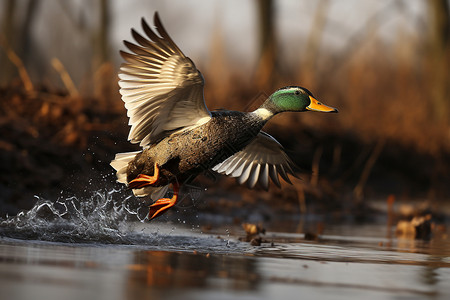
291, 98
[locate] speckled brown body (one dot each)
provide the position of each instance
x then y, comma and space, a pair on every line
186, 154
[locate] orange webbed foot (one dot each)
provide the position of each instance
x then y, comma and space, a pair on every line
163, 204
143, 180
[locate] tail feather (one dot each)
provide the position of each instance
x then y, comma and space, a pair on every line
120, 164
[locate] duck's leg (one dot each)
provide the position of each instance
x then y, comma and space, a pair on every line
142, 180
163, 204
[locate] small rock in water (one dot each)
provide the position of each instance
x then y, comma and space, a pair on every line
253, 229
418, 228
253, 233
309, 236
256, 241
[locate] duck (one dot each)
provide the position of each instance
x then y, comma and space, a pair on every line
180, 137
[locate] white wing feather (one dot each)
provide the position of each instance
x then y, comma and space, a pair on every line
264, 157
161, 87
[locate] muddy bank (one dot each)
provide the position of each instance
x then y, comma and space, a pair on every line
53, 145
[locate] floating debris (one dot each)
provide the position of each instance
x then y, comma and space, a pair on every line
419, 227
253, 232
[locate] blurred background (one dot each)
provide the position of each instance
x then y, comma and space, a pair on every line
384, 64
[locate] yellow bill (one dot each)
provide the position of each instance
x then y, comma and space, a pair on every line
317, 106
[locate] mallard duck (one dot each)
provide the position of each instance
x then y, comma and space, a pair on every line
180, 138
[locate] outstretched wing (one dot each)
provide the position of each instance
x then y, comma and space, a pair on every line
161, 87
264, 157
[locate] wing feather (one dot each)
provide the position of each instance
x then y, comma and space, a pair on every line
264, 176
264, 157
274, 175
161, 87
254, 175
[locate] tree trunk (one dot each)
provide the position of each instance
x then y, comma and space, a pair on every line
267, 40
439, 16
7, 41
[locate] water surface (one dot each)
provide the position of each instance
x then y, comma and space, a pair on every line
98, 249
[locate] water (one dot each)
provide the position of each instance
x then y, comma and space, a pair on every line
99, 248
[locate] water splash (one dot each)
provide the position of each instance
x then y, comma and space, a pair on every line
103, 217
106, 217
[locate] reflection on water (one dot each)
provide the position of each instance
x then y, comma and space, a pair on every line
73, 271
95, 249
171, 270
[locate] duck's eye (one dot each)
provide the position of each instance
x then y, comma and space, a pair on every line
297, 92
